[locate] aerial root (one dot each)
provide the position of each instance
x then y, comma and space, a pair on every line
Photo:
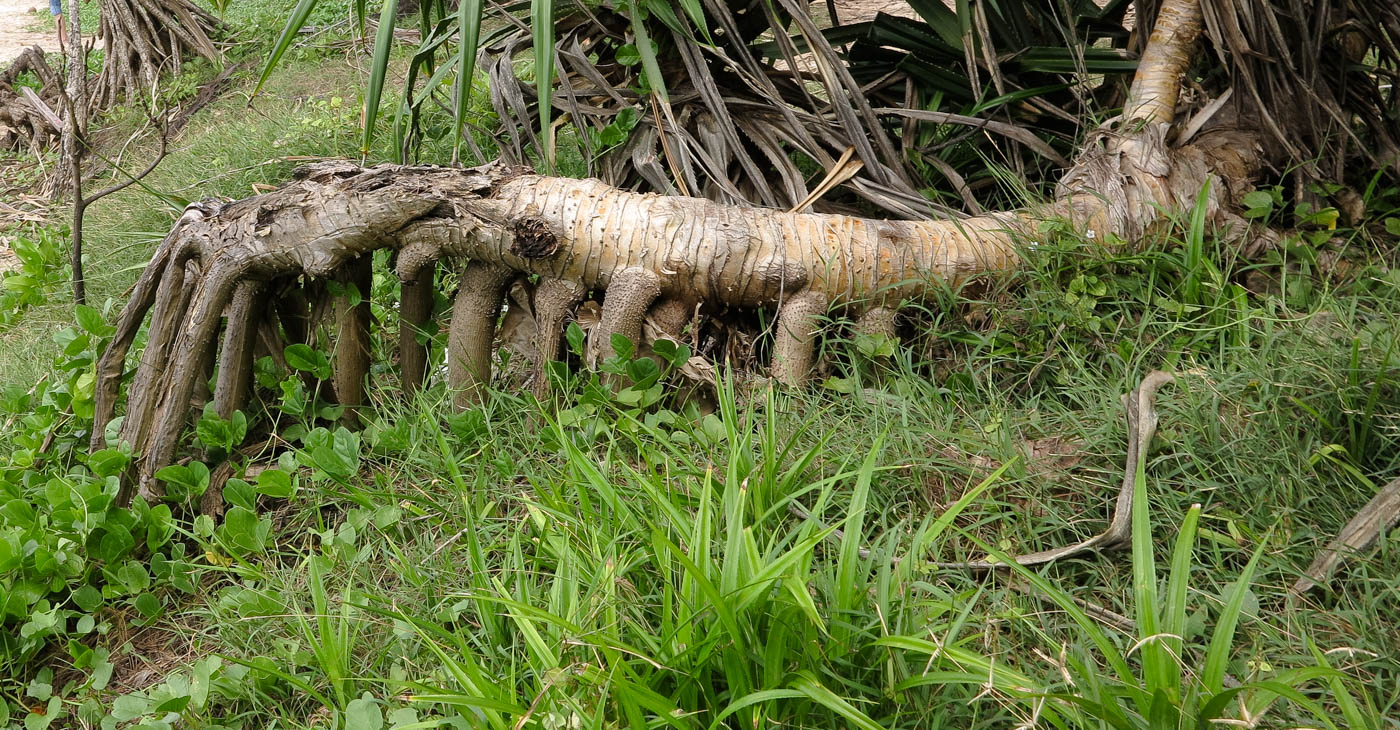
555, 300
350, 360
172, 300
415, 308
294, 314
269, 339
794, 343
625, 304
473, 329
184, 368
236, 357
670, 316
113, 361
877, 322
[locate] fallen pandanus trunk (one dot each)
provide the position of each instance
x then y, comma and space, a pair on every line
650, 256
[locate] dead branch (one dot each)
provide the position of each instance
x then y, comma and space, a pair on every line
1358, 536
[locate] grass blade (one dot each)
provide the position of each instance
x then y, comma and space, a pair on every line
542, 29
1156, 664
469, 14
999, 675
651, 68
927, 535
1174, 616
815, 691
379, 67
1351, 710
754, 698
850, 590
1218, 654
295, 21
1195, 245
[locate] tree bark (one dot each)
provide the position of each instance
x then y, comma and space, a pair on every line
75, 142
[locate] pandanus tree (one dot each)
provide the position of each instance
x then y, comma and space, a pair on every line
745, 116
143, 39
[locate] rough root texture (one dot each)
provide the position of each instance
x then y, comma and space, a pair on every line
533, 239
22, 122
143, 38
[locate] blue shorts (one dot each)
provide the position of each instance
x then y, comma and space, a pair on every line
56, 7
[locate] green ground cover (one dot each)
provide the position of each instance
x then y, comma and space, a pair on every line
627, 558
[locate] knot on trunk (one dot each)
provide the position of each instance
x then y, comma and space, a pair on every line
532, 238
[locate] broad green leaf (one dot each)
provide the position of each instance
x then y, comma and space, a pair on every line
88, 598
276, 483
364, 714
92, 322
308, 359
149, 606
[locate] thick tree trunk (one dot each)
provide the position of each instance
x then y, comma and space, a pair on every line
645, 252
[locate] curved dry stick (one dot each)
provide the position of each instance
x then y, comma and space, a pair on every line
1142, 426
1141, 415
1360, 533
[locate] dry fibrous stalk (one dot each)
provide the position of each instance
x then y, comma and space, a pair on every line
142, 39
649, 255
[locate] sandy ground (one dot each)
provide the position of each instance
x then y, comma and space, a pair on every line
855, 11
15, 23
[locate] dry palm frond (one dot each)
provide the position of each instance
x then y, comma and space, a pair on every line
763, 100
1317, 76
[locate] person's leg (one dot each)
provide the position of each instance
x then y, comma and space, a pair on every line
56, 7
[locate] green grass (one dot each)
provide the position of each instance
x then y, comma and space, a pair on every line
508, 566
602, 564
